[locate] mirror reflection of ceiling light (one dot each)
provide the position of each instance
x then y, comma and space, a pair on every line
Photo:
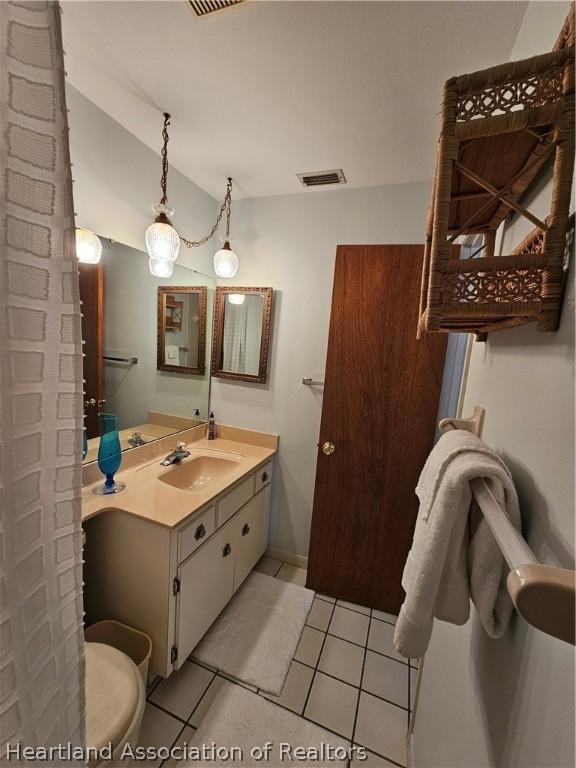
88, 246
236, 298
163, 241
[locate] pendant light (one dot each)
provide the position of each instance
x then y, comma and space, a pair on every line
163, 241
88, 246
225, 260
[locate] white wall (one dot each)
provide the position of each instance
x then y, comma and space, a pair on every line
289, 243
117, 180
511, 702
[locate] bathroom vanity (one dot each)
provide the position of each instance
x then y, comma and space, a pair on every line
167, 554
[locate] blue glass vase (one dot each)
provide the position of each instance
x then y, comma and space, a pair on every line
109, 454
84, 443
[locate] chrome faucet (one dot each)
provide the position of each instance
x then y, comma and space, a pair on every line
135, 440
176, 456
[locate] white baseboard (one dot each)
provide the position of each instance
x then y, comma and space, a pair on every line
288, 557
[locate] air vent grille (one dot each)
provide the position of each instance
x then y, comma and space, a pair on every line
204, 7
322, 178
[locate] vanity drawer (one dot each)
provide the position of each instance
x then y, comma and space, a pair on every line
196, 533
232, 502
263, 476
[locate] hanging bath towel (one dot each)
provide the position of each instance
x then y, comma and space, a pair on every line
454, 556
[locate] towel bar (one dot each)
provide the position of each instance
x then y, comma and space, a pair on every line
543, 595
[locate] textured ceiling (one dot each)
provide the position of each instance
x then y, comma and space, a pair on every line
266, 90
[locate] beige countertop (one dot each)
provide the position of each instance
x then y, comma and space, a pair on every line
148, 497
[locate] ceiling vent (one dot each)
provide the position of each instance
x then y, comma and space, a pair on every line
322, 178
204, 7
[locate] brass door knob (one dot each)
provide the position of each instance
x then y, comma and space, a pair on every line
91, 402
328, 449
101, 403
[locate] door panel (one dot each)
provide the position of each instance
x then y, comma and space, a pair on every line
92, 297
251, 535
381, 394
206, 585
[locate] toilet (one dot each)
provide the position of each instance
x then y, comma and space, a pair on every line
115, 700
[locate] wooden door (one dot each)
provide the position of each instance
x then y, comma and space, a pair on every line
381, 394
206, 586
92, 297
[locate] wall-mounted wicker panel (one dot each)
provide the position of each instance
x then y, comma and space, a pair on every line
500, 127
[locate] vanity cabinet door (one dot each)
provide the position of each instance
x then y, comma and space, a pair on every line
251, 534
206, 585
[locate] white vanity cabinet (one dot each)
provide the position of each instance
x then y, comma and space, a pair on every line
172, 583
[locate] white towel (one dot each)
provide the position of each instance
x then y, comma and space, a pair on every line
171, 354
454, 556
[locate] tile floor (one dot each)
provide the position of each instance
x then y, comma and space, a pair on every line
345, 676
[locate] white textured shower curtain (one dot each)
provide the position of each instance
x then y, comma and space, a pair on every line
41, 642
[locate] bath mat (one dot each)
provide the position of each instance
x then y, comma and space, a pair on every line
243, 720
254, 639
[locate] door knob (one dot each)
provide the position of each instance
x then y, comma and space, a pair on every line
101, 403
328, 448
90, 402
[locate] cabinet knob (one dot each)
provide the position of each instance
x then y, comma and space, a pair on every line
200, 532
245, 530
226, 551
264, 476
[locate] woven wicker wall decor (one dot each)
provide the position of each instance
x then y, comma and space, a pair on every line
500, 127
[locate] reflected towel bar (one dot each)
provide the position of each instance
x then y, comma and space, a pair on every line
311, 383
129, 360
543, 595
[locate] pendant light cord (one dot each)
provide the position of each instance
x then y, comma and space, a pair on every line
225, 207
164, 179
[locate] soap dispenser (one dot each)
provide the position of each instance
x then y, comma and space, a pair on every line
211, 426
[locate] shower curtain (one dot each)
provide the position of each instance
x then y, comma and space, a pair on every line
41, 639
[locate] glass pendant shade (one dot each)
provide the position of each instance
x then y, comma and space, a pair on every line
225, 261
236, 298
162, 242
88, 247
161, 268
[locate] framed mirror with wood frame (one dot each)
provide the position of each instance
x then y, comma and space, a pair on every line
181, 342
241, 333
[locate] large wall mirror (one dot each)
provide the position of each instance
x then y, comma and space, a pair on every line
241, 333
181, 340
120, 331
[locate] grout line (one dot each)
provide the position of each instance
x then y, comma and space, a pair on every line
347, 608
358, 687
279, 569
180, 732
318, 659
191, 715
404, 663
361, 678
389, 759
167, 712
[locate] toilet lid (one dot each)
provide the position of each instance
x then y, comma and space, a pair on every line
112, 691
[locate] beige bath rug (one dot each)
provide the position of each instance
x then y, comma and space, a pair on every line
255, 637
239, 725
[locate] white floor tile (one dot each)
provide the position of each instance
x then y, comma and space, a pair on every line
181, 692
295, 689
292, 574
215, 687
332, 704
372, 761
354, 607
382, 727
309, 646
268, 565
319, 616
384, 616
386, 678
158, 730
184, 738
326, 598
349, 625
342, 660
381, 639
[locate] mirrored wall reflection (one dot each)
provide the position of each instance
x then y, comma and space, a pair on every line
241, 333
120, 329
182, 329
